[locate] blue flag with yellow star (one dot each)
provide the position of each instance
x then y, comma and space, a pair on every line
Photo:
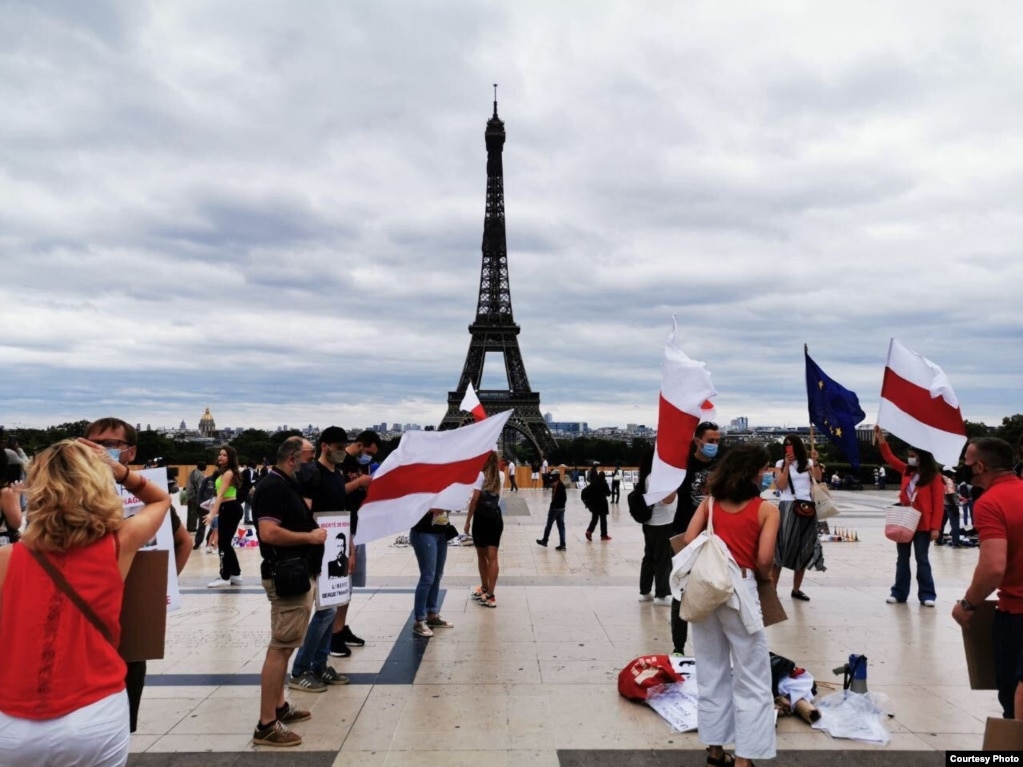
834, 410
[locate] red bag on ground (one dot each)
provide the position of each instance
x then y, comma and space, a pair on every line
643, 673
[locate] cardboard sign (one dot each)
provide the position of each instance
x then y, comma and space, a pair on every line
1003, 735
334, 585
144, 610
978, 642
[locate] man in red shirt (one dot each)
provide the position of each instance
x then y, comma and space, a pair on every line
998, 518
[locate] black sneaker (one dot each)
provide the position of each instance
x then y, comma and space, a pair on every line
350, 638
338, 648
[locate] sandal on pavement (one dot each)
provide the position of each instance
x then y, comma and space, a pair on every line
800, 596
725, 761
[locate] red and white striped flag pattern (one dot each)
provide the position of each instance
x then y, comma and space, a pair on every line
428, 470
471, 403
685, 402
919, 406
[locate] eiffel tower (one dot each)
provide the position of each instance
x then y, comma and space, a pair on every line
495, 329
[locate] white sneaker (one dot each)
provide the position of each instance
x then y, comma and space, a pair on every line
421, 629
891, 600
217, 583
662, 601
928, 603
236, 580
645, 597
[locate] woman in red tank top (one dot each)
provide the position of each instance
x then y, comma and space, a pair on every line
64, 699
732, 665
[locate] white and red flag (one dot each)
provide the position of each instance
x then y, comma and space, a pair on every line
919, 406
471, 403
428, 470
685, 402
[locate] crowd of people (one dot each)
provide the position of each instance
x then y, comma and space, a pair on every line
87, 513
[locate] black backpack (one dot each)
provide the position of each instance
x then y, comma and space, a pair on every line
245, 487
638, 507
208, 488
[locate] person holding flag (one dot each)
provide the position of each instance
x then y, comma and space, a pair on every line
922, 489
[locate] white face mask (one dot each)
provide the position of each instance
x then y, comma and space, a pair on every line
912, 461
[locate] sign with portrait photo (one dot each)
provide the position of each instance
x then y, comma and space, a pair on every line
334, 586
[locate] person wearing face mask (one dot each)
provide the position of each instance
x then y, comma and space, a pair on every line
922, 489
998, 517
703, 457
798, 545
355, 467
286, 530
322, 485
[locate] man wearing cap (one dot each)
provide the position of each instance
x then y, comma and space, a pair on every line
323, 488
355, 467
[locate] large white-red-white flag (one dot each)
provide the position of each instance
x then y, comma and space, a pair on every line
428, 470
471, 403
919, 406
685, 402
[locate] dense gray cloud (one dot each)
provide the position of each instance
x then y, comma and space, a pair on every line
277, 211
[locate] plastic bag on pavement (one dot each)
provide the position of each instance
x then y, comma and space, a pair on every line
853, 715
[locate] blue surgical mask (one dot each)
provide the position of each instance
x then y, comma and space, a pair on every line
709, 449
765, 482
114, 452
365, 460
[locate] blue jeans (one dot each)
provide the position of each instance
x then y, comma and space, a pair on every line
952, 516
431, 553
315, 649
555, 516
925, 581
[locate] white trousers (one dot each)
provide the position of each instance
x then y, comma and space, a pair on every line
733, 673
94, 736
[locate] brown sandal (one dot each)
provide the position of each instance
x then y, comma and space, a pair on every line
725, 761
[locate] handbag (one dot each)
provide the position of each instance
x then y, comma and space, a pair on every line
826, 506
900, 523
291, 576
804, 508
710, 581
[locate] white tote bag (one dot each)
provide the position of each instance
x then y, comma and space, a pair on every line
710, 581
822, 500
900, 523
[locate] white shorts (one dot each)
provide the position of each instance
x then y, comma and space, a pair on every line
94, 736
535, 475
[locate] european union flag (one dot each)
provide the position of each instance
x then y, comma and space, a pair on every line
834, 410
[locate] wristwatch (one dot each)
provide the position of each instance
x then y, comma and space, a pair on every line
966, 605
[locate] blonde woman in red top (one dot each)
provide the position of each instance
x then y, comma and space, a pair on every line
732, 665
64, 700
922, 489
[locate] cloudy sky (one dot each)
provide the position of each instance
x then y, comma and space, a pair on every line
275, 209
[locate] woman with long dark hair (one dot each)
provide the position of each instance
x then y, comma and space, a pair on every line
487, 528
921, 488
798, 545
655, 568
735, 700
227, 507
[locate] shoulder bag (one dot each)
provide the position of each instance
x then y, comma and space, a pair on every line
291, 576
710, 581
900, 523
488, 505
826, 506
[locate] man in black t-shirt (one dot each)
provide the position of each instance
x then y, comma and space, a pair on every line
703, 457
355, 467
286, 530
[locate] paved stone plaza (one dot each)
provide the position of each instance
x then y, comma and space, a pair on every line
534, 682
